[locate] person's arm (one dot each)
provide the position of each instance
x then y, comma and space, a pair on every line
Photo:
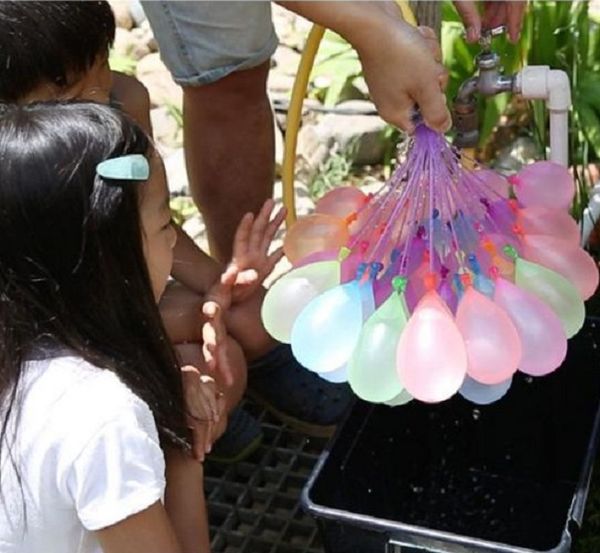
401, 64
149, 531
185, 504
192, 267
132, 97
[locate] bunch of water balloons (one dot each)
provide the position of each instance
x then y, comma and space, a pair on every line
446, 280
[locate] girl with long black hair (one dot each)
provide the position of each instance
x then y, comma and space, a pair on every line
94, 441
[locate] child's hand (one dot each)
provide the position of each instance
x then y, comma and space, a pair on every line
205, 409
250, 250
218, 299
205, 405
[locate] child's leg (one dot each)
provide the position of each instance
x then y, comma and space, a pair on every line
244, 323
181, 311
185, 502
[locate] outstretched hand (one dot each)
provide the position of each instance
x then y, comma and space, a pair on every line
251, 256
205, 405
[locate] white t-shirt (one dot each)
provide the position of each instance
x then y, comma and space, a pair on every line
88, 455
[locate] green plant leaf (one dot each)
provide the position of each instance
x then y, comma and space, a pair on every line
590, 123
123, 64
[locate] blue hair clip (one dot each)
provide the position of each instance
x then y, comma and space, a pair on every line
129, 167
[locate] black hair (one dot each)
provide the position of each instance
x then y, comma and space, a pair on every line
72, 266
49, 42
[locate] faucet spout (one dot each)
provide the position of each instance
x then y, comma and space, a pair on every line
488, 82
467, 90
464, 115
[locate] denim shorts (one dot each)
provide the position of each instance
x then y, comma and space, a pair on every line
202, 42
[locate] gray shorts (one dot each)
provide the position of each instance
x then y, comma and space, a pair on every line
202, 42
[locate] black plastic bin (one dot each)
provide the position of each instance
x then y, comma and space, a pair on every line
509, 477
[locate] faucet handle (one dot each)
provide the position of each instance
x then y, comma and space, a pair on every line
487, 35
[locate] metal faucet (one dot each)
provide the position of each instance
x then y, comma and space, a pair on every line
488, 82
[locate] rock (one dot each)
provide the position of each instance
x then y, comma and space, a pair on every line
144, 36
166, 129
176, 173
303, 203
137, 12
126, 44
122, 14
151, 71
315, 143
285, 60
291, 28
280, 83
279, 146
196, 229
359, 135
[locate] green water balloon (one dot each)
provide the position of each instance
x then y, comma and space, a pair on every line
372, 370
401, 399
555, 291
289, 295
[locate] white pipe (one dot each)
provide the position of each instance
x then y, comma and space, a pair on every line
591, 214
539, 82
542, 83
559, 103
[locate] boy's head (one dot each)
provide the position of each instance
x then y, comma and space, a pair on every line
52, 50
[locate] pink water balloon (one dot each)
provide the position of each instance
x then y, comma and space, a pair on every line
552, 222
543, 339
341, 201
314, 233
494, 181
431, 356
492, 342
544, 184
565, 258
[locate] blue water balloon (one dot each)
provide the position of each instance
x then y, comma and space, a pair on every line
327, 329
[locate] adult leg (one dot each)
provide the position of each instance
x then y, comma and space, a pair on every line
229, 147
219, 53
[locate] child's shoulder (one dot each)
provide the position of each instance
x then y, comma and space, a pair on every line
131, 96
72, 377
70, 393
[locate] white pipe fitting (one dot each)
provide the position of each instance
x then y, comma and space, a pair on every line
542, 83
539, 82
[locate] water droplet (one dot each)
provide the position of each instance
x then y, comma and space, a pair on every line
476, 414
529, 379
